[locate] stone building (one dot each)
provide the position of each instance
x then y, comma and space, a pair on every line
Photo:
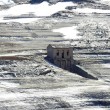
61, 55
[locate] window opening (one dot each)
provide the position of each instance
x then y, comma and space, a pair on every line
68, 53
57, 53
63, 54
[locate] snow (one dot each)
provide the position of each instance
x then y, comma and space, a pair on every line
104, 1
64, 92
8, 96
106, 65
32, 93
44, 93
44, 9
40, 10
16, 53
89, 10
22, 20
6, 2
93, 108
8, 85
69, 32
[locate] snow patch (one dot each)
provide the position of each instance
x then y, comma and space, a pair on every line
89, 10
6, 2
21, 20
107, 2
9, 96
106, 65
8, 85
93, 108
40, 10
69, 32
16, 53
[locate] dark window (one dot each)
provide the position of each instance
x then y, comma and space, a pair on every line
57, 53
63, 54
68, 53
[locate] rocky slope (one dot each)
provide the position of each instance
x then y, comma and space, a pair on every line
55, 1
5, 2
29, 81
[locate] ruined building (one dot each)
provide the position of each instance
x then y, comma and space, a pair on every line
61, 55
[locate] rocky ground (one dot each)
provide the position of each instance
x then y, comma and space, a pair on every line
29, 82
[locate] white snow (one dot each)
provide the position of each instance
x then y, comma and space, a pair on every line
42, 9
44, 93
16, 53
4, 95
106, 65
89, 10
11, 96
68, 32
6, 2
104, 1
93, 108
8, 85
21, 20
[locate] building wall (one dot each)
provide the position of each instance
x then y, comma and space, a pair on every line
62, 57
63, 63
50, 51
63, 53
